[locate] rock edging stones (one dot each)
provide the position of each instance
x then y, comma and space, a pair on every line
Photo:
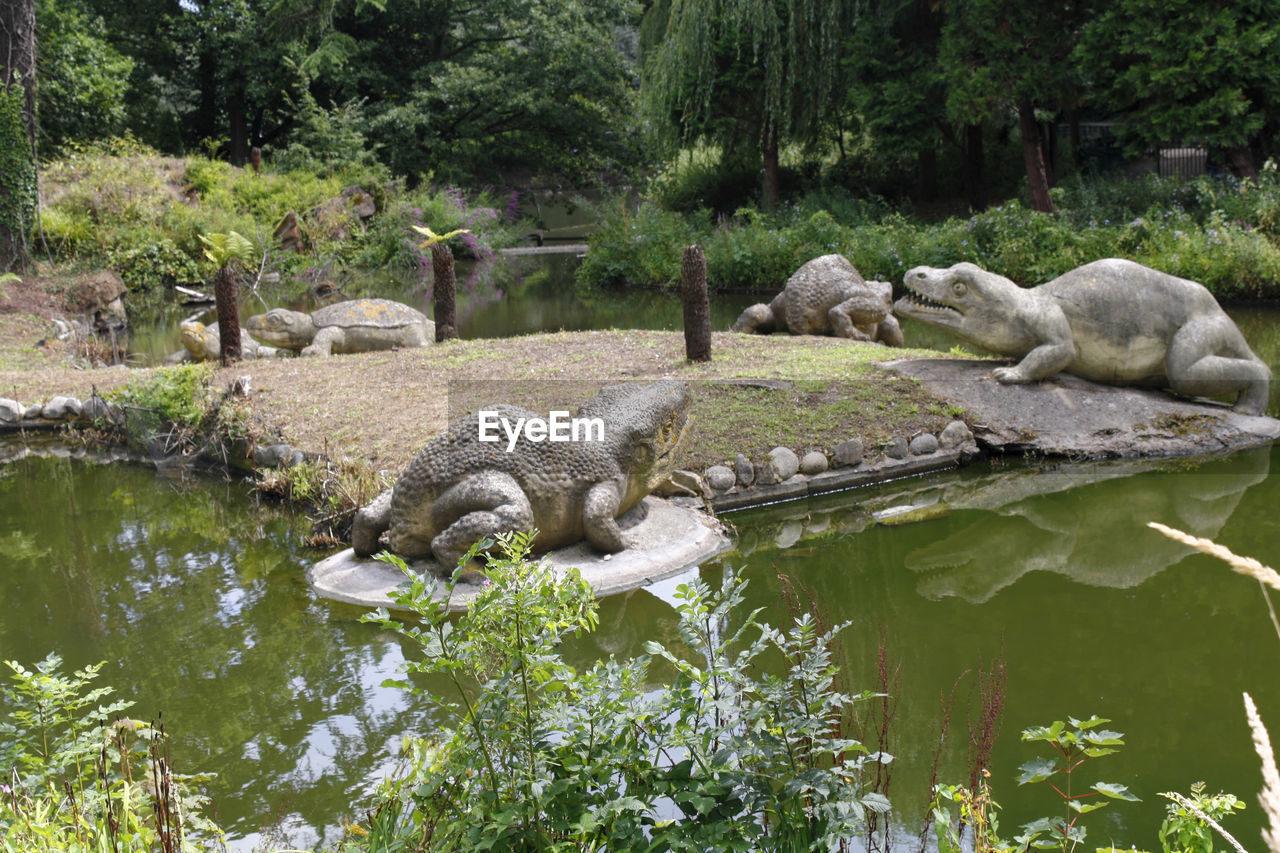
782, 475
57, 411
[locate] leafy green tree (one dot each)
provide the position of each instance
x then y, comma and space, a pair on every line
456, 88
17, 131
745, 74
1002, 54
896, 87
1186, 72
83, 79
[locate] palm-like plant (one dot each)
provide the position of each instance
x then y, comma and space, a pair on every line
228, 252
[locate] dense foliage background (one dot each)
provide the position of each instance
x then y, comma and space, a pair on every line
895, 96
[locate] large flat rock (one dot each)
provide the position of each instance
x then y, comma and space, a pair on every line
663, 539
1065, 415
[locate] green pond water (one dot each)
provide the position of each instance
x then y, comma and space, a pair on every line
193, 593
496, 299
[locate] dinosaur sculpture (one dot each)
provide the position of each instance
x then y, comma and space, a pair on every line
827, 296
461, 487
1110, 321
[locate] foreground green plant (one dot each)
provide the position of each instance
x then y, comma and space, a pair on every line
81, 777
1190, 820
1074, 743
167, 404
543, 757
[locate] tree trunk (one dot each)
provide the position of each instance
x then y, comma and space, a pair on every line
17, 131
444, 292
1033, 156
926, 174
769, 198
238, 126
1073, 118
224, 294
697, 310
1242, 163
975, 168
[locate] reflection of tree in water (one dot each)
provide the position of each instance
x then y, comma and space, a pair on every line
197, 601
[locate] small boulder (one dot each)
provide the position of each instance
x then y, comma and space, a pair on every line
288, 234
897, 449
923, 445
99, 297
814, 462
847, 453
766, 474
33, 411
744, 470
785, 462
955, 434
271, 455
95, 407
61, 407
359, 202
681, 484
11, 411
720, 477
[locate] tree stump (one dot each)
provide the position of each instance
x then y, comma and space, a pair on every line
224, 294
697, 310
444, 292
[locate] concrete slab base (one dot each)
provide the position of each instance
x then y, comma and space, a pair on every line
662, 540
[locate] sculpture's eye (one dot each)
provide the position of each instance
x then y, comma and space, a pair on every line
959, 288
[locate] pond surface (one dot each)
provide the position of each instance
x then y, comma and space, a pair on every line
503, 297
193, 593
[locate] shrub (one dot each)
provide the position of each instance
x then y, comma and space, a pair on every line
638, 248
545, 757
81, 777
169, 402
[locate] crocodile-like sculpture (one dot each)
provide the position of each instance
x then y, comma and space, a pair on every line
827, 296
460, 489
358, 325
1110, 321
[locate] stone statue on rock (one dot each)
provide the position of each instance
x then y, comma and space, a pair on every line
827, 296
463, 487
1111, 321
358, 325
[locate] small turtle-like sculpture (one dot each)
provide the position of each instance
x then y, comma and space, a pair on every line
828, 296
201, 343
359, 325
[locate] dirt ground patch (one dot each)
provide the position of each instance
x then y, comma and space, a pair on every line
379, 409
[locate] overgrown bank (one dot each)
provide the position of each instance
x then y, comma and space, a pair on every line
1222, 232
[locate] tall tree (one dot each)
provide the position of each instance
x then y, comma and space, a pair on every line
83, 79
17, 130
455, 88
762, 72
1180, 72
1002, 54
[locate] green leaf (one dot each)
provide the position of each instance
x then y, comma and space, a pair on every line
1114, 791
1037, 770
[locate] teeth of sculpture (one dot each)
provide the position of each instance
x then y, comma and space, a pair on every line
925, 302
